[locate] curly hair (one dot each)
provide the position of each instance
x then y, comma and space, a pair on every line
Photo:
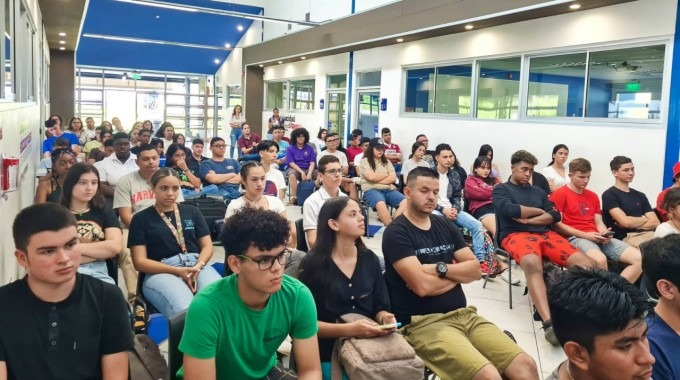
523, 156
254, 227
297, 132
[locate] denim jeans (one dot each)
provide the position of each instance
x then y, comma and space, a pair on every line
480, 249
98, 270
169, 293
235, 134
207, 190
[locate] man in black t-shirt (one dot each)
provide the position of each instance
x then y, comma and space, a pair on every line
56, 323
194, 161
426, 294
626, 210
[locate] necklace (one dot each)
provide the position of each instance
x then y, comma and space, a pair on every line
674, 225
80, 213
255, 202
569, 370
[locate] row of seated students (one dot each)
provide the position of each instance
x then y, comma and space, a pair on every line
71, 325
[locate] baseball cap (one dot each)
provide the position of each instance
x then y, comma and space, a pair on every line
365, 140
376, 142
676, 170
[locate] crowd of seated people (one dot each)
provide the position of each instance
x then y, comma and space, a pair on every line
123, 203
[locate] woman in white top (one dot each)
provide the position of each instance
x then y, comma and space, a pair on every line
253, 180
671, 203
236, 124
320, 140
417, 153
556, 172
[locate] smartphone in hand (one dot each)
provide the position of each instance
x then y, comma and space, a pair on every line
608, 234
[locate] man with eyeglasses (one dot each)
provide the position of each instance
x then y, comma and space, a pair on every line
221, 171
235, 325
332, 144
330, 176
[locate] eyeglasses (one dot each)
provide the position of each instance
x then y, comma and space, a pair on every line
267, 262
333, 171
219, 146
333, 140
424, 141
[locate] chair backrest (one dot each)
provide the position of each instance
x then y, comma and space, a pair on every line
175, 356
301, 238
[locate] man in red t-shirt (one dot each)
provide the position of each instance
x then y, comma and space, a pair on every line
353, 149
582, 223
659, 200
392, 151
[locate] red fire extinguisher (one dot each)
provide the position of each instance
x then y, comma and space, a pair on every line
10, 173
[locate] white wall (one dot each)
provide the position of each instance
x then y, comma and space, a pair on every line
654, 20
313, 68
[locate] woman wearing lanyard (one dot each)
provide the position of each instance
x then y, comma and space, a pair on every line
170, 245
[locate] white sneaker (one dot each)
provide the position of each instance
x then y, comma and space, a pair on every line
506, 277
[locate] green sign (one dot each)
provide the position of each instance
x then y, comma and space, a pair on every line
633, 86
136, 76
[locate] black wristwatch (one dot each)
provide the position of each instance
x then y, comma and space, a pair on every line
442, 268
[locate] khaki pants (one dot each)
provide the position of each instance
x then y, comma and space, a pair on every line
634, 239
128, 269
456, 345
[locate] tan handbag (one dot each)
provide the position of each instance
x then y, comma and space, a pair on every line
385, 357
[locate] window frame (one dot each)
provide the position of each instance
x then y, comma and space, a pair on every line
524, 84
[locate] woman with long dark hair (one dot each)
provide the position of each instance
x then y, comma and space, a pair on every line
418, 151
344, 277
75, 126
171, 245
377, 180
176, 158
100, 235
50, 191
487, 151
556, 172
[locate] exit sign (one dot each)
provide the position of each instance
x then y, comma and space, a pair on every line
633, 86
136, 76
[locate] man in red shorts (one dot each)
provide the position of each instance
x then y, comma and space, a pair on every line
525, 215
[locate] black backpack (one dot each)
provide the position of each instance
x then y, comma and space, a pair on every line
212, 209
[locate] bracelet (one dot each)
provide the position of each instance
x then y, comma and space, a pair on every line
202, 264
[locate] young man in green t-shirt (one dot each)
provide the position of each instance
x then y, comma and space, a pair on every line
235, 325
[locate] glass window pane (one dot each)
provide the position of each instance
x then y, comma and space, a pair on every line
453, 89
176, 84
626, 83
234, 94
419, 90
275, 95
369, 79
337, 81
498, 88
302, 94
556, 86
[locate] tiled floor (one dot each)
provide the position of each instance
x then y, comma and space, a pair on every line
491, 303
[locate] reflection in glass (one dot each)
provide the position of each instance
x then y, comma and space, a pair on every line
556, 86
369, 79
453, 89
275, 92
419, 90
626, 83
498, 88
302, 94
337, 81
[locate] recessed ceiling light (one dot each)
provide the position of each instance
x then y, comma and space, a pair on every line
157, 16
280, 62
303, 57
62, 34
62, 48
239, 28
469, 26
575, 6
261, 65
228, 46
400, 40
62, 42
217, 60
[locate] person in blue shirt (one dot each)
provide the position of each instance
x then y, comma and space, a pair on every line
54, 128
220, 171
661, 266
